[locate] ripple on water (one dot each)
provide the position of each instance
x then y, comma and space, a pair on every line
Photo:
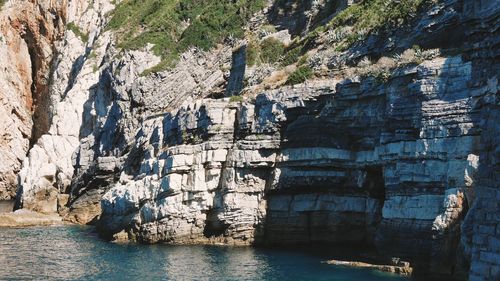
75, 253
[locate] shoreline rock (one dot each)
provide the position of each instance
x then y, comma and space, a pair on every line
26, 218
400, 268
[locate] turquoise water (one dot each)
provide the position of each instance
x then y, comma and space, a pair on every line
76, 253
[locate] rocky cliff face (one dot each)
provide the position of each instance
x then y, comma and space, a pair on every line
482, 223
323, 163
397, 152
48, 170
28, 31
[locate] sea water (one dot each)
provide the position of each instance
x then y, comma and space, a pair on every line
76, 253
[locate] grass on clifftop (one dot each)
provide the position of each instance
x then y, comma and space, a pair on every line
359, 20
269, 50
175, 25
372, 16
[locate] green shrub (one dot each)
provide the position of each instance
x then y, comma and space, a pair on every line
77, 31
383, 77
373, 15
271, 50
160, 22
92, 55
164, 64
291, 56
253, 53
302, 60
268, 28
236, 99
300, 75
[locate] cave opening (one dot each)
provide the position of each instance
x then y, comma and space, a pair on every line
214, 227
374, 183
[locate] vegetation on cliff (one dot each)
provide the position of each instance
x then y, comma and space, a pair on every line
300, 75
175, 25
371, 16
77, 31
270, 50
354, 24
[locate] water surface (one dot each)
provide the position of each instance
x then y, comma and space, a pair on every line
75, 253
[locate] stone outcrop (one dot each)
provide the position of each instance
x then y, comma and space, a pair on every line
356, 161
401, 268
118, 108
482, 227
48, 169
391, 163
25, 218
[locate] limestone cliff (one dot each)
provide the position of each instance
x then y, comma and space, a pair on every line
28, 31
388, 139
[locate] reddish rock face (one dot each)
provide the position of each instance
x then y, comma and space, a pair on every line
28, 30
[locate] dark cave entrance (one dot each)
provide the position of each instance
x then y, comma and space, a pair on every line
374, 186
374, 182
214, 227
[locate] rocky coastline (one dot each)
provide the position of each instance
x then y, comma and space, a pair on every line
392, 143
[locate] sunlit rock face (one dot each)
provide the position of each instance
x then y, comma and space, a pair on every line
351, 162
47, 170
27, 32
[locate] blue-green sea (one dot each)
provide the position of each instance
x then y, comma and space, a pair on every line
76, 253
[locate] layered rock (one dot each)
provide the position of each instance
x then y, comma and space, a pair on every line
122, 104
356, 162
482, 228
179, 186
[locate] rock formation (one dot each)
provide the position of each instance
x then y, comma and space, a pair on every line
28, 32
48, 169
326, 163
389, 145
